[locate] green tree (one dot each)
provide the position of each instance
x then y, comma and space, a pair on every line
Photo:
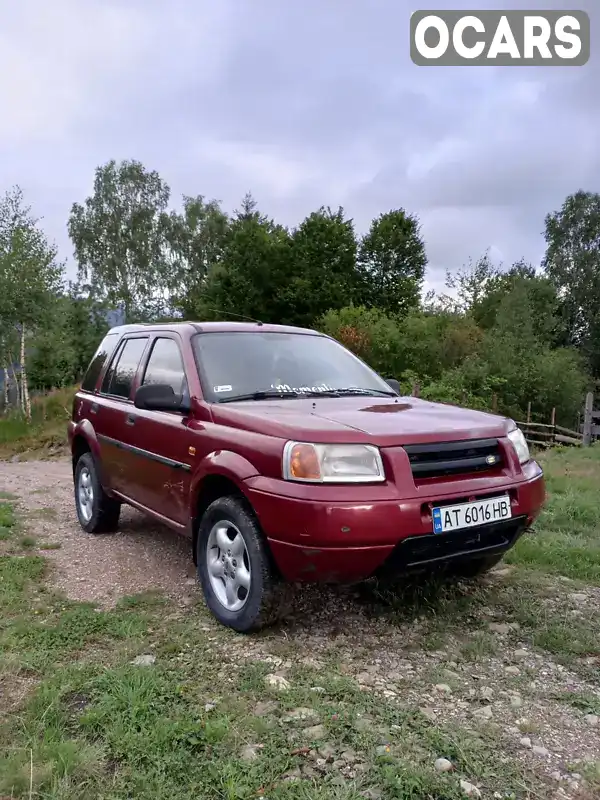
86, 322
392, 262
322, 273
72, 326
119, 238
542, 297
435, 342
529, 369
248, 280
52, 347
30, 277
197, 238
470, 286
572, 262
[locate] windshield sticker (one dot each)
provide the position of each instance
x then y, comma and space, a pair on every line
285, 387
217, 389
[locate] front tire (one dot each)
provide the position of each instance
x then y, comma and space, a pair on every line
96, 511
234, 567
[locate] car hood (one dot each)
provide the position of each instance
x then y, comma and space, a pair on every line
381, 421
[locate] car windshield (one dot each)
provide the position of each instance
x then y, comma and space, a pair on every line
268, 364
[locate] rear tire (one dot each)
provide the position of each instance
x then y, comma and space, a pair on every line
234, 566
475, 567
96, 511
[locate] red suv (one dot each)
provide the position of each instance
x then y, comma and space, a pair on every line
283, 456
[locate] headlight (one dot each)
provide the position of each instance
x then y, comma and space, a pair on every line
332, 463
518, 442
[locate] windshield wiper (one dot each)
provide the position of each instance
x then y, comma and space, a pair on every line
353, 390
262, 394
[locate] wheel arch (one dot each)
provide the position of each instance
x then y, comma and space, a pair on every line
83, 440
222, 473
208, 489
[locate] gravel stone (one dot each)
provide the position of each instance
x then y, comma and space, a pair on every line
578, 597
249, 752
265, 707
443, 765
327, 751
500, 627
315, 732
301, 715
372, 794
542, 752
525, 742
277, 682
143, 661
469, 789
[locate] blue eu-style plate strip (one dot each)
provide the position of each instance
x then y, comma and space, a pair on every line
437, 520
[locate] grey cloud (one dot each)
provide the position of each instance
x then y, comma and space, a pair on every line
304, 104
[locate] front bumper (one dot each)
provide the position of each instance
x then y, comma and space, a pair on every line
315, 540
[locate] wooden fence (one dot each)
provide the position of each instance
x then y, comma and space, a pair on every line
541, 434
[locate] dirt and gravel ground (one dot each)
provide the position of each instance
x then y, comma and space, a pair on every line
507, 657
139, 558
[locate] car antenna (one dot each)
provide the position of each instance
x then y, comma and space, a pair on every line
231, 314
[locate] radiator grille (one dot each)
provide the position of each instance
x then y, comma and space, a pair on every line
454, 458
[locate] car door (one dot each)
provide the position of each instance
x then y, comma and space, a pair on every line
112, 417
161, 438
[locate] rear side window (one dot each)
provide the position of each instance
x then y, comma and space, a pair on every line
103, 353
165, 365
121, 373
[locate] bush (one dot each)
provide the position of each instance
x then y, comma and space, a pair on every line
369, 333
455, 361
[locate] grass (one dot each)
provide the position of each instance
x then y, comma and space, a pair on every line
44, 434
202, 721
568, 540
585, 701
7, 520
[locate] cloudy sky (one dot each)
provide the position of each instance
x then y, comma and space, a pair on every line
306, 103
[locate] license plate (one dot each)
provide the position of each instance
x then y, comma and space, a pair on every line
467, 515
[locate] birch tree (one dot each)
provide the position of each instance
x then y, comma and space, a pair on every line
30, 277
119, 238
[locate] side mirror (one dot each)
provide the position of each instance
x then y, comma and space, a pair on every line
159, 397
394, 384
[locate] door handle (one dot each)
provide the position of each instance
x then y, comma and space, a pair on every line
94, 408
130, 419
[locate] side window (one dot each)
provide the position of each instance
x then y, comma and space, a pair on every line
165, 365
101, 356
119, 376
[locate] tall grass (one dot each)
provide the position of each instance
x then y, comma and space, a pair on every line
46, 429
